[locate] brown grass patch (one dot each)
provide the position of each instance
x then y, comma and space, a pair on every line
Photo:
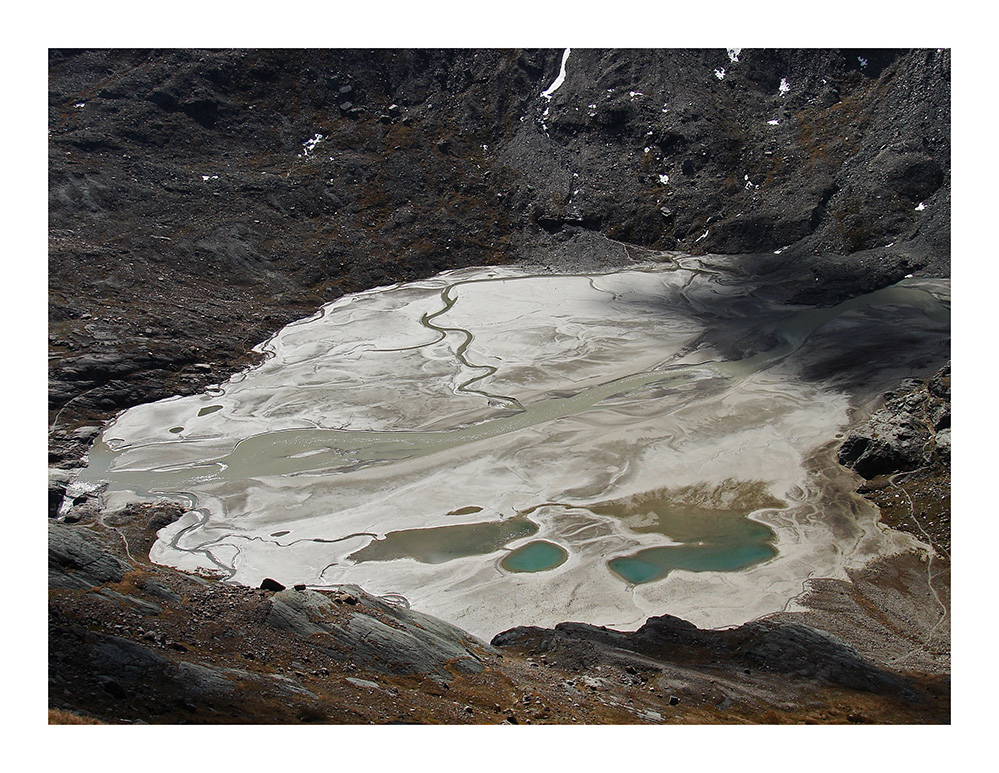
60, 717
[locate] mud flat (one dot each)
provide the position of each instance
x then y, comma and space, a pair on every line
663, 435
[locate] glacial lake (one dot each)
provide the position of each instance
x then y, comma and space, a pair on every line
505, 448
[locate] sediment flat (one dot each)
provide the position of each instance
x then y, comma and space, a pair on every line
484, 395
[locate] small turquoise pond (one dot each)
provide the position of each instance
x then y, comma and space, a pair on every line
538, 556
653, 564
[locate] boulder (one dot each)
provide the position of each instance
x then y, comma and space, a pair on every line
386, 637
79, 558
301, 613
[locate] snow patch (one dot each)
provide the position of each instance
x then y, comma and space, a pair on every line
547, 93
207, 177
921, 206
720, 73
309, 145
733, 54
773, 122
784, 87
664, 178
544, 115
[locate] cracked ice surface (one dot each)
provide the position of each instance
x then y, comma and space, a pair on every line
488, 396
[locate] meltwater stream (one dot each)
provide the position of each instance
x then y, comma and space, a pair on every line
505, 449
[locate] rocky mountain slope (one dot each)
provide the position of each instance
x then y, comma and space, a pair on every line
198, 200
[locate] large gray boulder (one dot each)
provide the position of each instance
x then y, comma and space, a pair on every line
79, 559
376, 633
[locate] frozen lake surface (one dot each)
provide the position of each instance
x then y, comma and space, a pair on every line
510, 449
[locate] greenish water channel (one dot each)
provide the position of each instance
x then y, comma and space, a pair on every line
288, 452
438, 544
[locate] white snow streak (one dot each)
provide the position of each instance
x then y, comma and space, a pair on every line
547, 93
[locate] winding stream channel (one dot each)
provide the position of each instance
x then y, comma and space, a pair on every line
505, 448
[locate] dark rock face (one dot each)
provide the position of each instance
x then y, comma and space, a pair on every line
910, 431
784, 147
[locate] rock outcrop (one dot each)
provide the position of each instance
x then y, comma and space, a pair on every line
79, 558
390, 638
911, 430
